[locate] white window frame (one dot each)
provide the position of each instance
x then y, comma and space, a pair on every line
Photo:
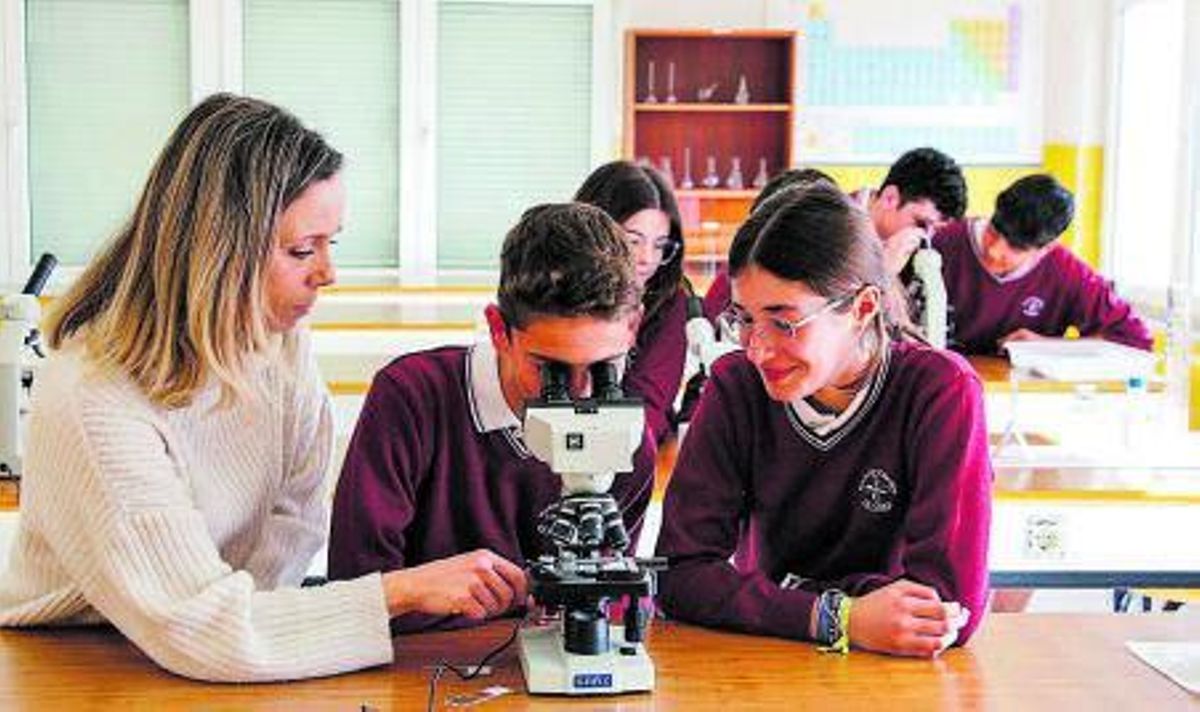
216, 64
15, 261
215, 47
1187, 223
605, 117
1187, 169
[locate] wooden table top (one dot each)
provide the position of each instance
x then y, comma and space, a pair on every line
10, 495
1017, 661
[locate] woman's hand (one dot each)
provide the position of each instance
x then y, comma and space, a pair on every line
902, 618
478, 584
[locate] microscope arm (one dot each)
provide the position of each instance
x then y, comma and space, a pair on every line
927, 265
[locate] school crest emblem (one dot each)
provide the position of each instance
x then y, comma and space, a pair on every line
1032, 306
876, 492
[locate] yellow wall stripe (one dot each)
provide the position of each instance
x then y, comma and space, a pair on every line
1077, 496
1081, 170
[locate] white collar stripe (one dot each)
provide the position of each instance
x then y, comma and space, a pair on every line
489, 410
825, 438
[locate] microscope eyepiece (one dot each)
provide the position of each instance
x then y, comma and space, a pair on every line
605, 384
556, 379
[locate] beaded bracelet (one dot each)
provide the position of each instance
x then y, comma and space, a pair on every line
833, 622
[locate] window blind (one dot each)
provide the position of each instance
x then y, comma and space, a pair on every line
514, 119
106, 84
336, 65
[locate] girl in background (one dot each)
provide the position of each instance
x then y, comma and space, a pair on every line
642, 202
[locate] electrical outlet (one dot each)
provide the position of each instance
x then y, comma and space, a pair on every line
1045, 536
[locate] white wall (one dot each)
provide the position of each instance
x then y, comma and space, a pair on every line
1078, 38
691, 13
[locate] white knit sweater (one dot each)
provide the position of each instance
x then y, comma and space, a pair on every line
189, 529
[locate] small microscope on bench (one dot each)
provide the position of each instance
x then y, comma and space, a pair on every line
19, 316
927, 266
586, 441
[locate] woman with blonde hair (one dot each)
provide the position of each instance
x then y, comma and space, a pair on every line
180, 433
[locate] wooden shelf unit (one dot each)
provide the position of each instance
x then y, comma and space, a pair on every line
757, 131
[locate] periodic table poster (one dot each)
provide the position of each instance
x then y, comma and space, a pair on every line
875, 79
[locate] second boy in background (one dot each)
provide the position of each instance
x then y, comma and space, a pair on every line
1009, 279
922, 190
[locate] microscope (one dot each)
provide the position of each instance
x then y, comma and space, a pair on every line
19, 316
927, 266
586, 441
704, 344
704, 348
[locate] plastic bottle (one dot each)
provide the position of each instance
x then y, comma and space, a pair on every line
1137, 414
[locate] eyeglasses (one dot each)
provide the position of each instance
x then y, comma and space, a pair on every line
741, 327
663, 247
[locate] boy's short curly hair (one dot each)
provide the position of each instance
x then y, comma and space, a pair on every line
928, 174
567, 260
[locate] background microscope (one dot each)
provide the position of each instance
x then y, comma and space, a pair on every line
19, 316
927, 266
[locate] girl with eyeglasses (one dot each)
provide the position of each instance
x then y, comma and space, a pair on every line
641, 200
834, 485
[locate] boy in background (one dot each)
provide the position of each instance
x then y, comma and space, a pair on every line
1009, 279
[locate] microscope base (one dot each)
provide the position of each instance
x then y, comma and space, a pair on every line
549, 669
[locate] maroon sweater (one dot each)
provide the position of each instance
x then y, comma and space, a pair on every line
719, 293
1060, 291
656, 366
901, 490
422, 481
